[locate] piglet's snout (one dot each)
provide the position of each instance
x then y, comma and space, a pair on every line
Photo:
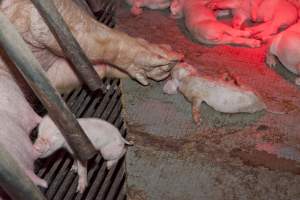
41, 146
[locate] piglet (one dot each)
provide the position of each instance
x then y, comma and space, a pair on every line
286, 47
274, 15
137, 5
104, 136
223, 95
204, 26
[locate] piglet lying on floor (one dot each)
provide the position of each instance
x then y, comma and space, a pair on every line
223, 95
104, 136
285, 46
137, 5
275, 14
204, 26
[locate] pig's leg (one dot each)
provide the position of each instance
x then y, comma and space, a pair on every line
238, 20
82, 173
236, 33
259, 28
271, 59
103, 44
297, 80
37, 180
223, 4
196, 103
136, 10
227, 39
112, 162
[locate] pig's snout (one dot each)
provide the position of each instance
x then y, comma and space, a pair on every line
41, 146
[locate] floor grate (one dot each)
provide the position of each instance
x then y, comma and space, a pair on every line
103, 184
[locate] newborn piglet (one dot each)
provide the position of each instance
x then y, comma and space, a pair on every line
104, 136
202, 23
225, 96
137, 5
274, 15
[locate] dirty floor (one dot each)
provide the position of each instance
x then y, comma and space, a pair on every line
230, 156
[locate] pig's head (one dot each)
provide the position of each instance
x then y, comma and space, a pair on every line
176, 8
49, 138
180, 71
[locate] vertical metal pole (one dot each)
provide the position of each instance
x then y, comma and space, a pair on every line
27, 64
68, 43
14, 181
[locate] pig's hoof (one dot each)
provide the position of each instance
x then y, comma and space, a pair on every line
270, 60
74, 167
44, 184
297, 81
82, 184
136, 11
255, 44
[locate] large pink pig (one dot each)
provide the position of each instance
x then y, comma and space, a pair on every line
202, 23
134, 56
274, 15
286, 47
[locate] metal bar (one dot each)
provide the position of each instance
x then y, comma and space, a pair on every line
26, 63
14, 181
68, 43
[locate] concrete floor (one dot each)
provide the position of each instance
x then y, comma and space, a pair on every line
229, 157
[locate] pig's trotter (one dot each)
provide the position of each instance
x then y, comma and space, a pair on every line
136, 10
196, 103
271, 60
297, 81
82, 173
110, 163
37, 180
74, 167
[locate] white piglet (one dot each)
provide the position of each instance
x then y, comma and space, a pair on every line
223, 95
105, 137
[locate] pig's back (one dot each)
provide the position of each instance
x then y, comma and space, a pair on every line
100, 132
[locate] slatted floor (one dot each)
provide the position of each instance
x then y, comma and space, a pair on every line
103, 184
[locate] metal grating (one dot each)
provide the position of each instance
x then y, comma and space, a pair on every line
103, 184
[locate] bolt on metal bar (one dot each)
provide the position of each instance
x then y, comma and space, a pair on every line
69, 45
14, 180
27, 64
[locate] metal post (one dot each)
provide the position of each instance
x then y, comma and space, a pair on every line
14, 181
68, 43
27, 64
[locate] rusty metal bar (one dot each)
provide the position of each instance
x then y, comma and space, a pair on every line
68, 43
27, 64
14, 181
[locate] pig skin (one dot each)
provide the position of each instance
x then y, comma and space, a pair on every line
223, 96
137, 57
17, 121
137, 5
285, 47
275, 14
104, 136
203, 25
